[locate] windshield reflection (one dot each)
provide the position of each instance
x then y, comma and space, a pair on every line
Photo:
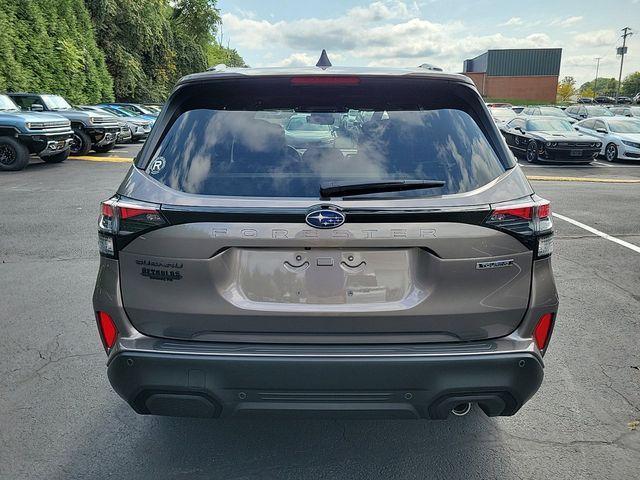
252, 154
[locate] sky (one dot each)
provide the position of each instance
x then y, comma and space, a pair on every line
442, 32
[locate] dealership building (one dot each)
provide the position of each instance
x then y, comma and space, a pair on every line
516, 74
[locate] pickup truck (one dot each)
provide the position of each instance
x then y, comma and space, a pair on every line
23, 133
91, 131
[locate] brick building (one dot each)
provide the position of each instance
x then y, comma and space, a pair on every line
517, 74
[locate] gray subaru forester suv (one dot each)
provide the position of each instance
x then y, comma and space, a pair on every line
401, 270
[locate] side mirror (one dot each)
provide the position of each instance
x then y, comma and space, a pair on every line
601, 130
36, 107
519, 129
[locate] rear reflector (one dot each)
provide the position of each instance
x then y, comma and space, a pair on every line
325, 80
108, 330
543, 330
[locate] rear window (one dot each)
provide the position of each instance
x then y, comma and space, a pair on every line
292, 146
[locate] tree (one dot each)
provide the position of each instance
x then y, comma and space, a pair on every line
566, 89
604, 86
588, 92
631, 84
51, 47
150, 44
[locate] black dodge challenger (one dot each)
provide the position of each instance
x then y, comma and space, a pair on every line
549, 139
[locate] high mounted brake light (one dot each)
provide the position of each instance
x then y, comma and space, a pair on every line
529, 222
325, 80
124, 219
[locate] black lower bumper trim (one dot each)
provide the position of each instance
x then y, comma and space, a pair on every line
389, 387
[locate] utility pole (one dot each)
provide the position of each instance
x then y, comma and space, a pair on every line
626, 33
595, 83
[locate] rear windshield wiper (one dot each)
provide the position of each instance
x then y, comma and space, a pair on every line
333, 189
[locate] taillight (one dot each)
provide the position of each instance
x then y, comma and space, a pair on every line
108, 330
542, 332
121, 220
529, 222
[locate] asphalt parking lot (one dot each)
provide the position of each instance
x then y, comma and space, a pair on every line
60, 419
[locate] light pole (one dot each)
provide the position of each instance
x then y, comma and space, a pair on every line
595, 83
626, 33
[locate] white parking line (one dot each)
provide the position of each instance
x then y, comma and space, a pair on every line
606, 236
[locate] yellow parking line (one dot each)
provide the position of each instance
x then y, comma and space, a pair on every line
544, 178
90, 158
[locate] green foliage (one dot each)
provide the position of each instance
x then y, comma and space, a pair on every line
150, 44
566, 89
49, 46
604, 86
94, 50
631, 84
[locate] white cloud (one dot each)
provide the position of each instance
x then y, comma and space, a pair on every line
596, 38
401, 40
567, 22
512, 22
588, 61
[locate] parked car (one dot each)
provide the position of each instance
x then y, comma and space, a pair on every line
90, 130
46, 135
620, 137
300, 132
636, 98
406, 276
124, 135
125, 112
630, 111
623, 100
547, 111
549, 139
137, 127
603, 99
154, 107
135, 108
584, 100
502, 115
499, 105
518, 108
580, 112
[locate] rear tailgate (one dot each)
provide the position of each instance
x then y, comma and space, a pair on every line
433, 280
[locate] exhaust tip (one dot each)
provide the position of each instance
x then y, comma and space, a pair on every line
461, 409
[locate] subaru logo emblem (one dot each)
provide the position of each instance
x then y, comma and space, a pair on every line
325, 218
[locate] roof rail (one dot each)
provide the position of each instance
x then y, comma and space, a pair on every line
433, 68
217, 68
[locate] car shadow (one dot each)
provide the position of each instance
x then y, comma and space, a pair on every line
132, 446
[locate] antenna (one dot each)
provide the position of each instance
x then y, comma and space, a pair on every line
324, 61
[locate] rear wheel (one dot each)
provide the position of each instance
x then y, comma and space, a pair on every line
611, 152
532, 152
81, 143
13, 155
57, 158
104, 148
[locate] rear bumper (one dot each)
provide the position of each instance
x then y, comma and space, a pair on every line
228, 381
